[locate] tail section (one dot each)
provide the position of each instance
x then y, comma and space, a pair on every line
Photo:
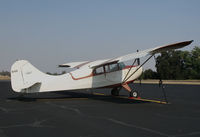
25, 77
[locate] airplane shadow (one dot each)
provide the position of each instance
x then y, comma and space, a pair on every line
67, 95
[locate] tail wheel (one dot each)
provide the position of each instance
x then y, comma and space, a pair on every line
115, 92
134, 94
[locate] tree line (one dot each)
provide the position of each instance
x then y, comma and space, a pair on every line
5, 73
176, 65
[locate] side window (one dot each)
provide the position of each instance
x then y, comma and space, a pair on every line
107, 69
113, 67
99, 70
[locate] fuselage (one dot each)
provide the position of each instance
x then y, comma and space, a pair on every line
87, 78
26, 78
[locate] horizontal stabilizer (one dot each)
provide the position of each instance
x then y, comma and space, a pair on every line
74, 64
29, 85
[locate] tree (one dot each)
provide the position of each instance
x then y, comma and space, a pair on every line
149, 74
172, 64
179, 64
162, 65
195, 60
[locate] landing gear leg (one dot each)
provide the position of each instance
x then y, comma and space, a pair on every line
132, 93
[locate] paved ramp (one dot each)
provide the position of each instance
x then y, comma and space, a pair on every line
84, 114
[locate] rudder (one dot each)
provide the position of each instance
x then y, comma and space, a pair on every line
24, 75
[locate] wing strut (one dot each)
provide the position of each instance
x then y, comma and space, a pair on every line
128, 71
127, 77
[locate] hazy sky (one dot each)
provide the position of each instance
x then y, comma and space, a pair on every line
52, 32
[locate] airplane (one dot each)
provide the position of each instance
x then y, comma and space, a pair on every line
107, 73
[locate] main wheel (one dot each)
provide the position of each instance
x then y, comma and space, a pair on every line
134, 94
115, 92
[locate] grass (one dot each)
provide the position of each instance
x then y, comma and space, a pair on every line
4, 77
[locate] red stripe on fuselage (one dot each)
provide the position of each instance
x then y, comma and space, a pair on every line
81, 77
127, 67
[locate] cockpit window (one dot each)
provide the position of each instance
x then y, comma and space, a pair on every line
114, 67
99, 70
121, 65
109, 68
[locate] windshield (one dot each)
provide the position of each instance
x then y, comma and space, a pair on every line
122, 65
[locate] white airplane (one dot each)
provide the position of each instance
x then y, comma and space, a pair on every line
25, 78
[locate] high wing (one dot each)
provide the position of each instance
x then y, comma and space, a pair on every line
143, 53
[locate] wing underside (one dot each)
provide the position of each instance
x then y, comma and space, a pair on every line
147, 52
143, 53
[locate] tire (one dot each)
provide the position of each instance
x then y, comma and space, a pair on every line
115, 92
134, 94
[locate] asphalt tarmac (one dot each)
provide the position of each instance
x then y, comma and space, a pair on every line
94, 113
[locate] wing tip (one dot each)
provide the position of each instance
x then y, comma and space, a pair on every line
186, 43
171, 46
191, 41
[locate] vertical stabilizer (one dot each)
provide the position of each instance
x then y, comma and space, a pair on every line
24, 76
